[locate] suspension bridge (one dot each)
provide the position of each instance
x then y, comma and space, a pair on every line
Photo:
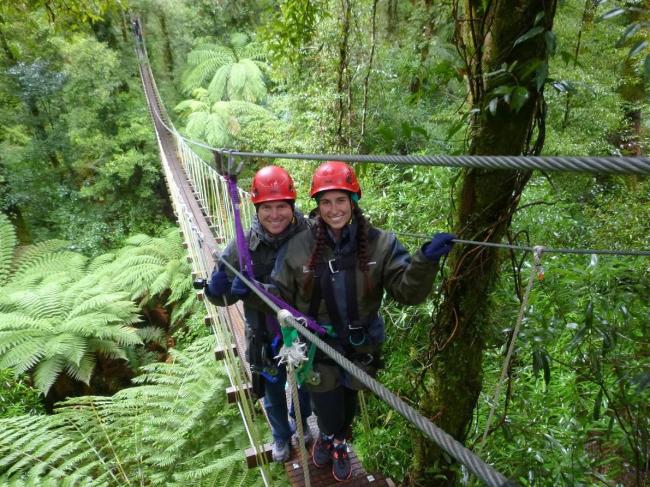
204, 208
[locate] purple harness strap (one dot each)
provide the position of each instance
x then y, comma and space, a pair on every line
246, 264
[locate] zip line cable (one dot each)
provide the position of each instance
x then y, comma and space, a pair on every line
525, 248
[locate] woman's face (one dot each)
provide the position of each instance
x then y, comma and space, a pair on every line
336, 210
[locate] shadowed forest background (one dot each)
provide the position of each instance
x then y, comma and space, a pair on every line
106, 369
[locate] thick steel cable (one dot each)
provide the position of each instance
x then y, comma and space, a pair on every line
525, 248
445, 441
594, 164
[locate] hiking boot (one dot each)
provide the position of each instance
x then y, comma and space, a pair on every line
280, 451
320, 453
341, 468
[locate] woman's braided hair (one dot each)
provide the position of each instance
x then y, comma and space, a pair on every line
321, 239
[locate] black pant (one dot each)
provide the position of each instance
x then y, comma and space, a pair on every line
335, 410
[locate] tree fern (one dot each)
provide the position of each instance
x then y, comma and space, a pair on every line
236, 71
174, 428
220, 122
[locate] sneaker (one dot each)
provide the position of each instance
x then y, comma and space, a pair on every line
341, 468
320, 453
280, 451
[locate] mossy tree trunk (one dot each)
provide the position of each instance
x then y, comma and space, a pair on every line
506, 62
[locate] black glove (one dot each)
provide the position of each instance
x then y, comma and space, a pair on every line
440, 245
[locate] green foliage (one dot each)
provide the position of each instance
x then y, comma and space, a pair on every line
174, 428
290, 27
7, 244
235, 71
58, 312
17, 396
79, 117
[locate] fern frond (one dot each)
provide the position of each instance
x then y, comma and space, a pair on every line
246, 82
8, 242
99, 303
238, 40
187, 107
42, 266
47, 371
82, 371
152, 334
217, 88
25, 354
24, 254
99, 262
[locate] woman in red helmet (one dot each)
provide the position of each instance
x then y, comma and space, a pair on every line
337, 273
276, 221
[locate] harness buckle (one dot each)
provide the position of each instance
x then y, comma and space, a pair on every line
332, 269
356, 334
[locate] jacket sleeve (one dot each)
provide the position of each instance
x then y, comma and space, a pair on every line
407, 279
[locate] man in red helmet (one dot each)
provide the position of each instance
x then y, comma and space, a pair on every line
337, 273
276, 221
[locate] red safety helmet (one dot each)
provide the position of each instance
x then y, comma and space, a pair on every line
272, 183
334, 175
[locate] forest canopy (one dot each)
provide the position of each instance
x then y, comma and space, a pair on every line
97, 314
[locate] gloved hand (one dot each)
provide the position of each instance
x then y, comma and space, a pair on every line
239, 288
219, 283
440, 245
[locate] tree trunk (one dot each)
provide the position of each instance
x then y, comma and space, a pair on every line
486, 201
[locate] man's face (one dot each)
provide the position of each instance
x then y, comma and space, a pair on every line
275, 216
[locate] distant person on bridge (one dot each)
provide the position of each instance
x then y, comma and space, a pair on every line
276, 220
336, 272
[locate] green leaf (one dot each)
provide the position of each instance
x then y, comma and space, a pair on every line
551, 42
629, 31
503, 90
456, 127
507, 433
589, 315
597, 404
541, 74
646, 67
577, 339
492, 106
637, 48
535, 31
615, 12
519, 98
539, 17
